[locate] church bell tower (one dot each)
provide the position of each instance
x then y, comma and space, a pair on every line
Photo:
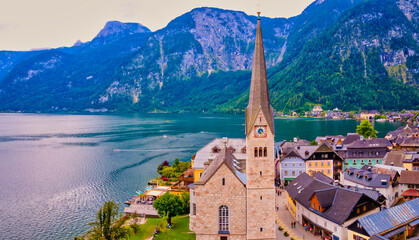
260, 164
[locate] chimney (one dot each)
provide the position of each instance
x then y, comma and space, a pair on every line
336, 183
295, 139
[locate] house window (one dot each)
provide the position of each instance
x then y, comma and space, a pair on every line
364, 208
300, 172
378, 161
300, 164
370, 153
354, 154
354, 162
194, 209
224, 218
361, 153
376, 153
286, 173
285, 164
224, 181
309, 164
293, 164
265, 152
261, 173
215, 149
261, 229
322, 164
223, 238
328, 171
315, 164
362, 161
260, 197
256, 152
369, 161
322, 171
293, 173
260, 152
328, 164
244, 150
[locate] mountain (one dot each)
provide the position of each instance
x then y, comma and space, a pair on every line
368, 60
339, 53
66, 78
177, 59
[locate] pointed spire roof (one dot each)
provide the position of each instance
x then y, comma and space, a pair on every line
259, 94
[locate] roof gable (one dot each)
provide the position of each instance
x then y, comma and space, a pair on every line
225, 157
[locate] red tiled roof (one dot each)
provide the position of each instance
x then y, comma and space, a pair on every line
411, 193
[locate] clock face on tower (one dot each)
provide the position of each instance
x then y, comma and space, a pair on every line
260, 131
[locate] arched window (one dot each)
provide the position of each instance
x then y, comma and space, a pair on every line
265, 152
224, 218
260, 152
256, 152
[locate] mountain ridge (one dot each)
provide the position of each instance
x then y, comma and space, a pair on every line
201, 62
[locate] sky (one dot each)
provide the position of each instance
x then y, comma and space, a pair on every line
37, 24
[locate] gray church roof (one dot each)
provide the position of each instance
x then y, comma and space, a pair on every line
223, 157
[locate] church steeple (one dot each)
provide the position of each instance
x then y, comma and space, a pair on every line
259, 95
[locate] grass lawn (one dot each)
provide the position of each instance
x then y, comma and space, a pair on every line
180, 230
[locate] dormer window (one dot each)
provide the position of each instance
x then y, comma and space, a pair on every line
244, 150
215, 149
231, 149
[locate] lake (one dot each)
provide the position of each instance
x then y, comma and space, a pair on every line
58, 169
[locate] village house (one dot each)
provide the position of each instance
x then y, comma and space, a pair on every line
322, 158
310, 159
411, 161
368, 114
365, 151
373, 178
405, 138
326, 209
393, 224
409, 180
292, 165
317, 111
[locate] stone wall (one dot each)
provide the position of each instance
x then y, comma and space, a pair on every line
210, 196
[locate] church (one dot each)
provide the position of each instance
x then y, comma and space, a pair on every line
230, 201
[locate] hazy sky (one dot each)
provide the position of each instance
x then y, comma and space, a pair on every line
31, 24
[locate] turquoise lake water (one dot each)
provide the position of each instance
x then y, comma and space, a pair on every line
58, 169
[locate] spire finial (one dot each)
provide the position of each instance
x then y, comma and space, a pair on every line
258, 15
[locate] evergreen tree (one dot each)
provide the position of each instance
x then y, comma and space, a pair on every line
366, 130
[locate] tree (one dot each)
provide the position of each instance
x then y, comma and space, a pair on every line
106, 225
168, 172
366, 130
314, 142
185, 202
169, 205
